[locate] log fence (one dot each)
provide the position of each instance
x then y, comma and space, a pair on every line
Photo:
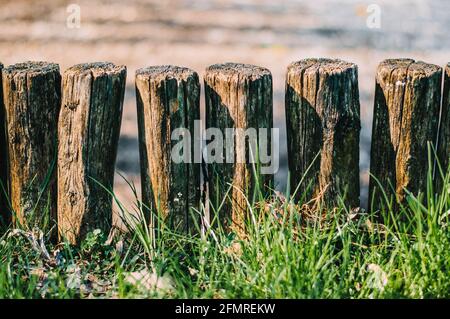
238, 96
32, 97
323, 120
58, 139
88, 135
168, 98
406, 117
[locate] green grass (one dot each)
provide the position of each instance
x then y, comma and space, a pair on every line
290, 252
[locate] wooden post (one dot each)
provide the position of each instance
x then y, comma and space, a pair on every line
323, 120
238, 96
168, 100
444, 131
32, 92
5, 216
88, 131
406, 113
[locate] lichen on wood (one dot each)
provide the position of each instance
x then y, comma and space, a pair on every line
323, 126
168, 98
89, 128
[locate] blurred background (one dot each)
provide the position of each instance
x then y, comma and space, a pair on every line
195, 34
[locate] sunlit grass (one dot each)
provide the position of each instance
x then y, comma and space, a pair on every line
290, 251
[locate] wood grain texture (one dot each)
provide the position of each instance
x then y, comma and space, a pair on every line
237, 96
5, 215
88, 131
444, 130
32, 92
406, 115
168, 98
323, 119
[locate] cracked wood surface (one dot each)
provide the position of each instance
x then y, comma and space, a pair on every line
323, 120
32, 92
88, 132
168, 98
237, 96
444, 131
406, 115
5, 216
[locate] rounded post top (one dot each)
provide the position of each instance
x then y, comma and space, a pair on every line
164, 72
396, 63
411, 67
230, 69
423, 69
96, 68
31, 67
322, 65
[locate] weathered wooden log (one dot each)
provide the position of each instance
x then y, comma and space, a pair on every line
444, 130
88, 132
32, 96
5, 216
323, 125
406, 115
238, 96
168, 103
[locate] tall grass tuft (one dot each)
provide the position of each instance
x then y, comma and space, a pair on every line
291, 250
